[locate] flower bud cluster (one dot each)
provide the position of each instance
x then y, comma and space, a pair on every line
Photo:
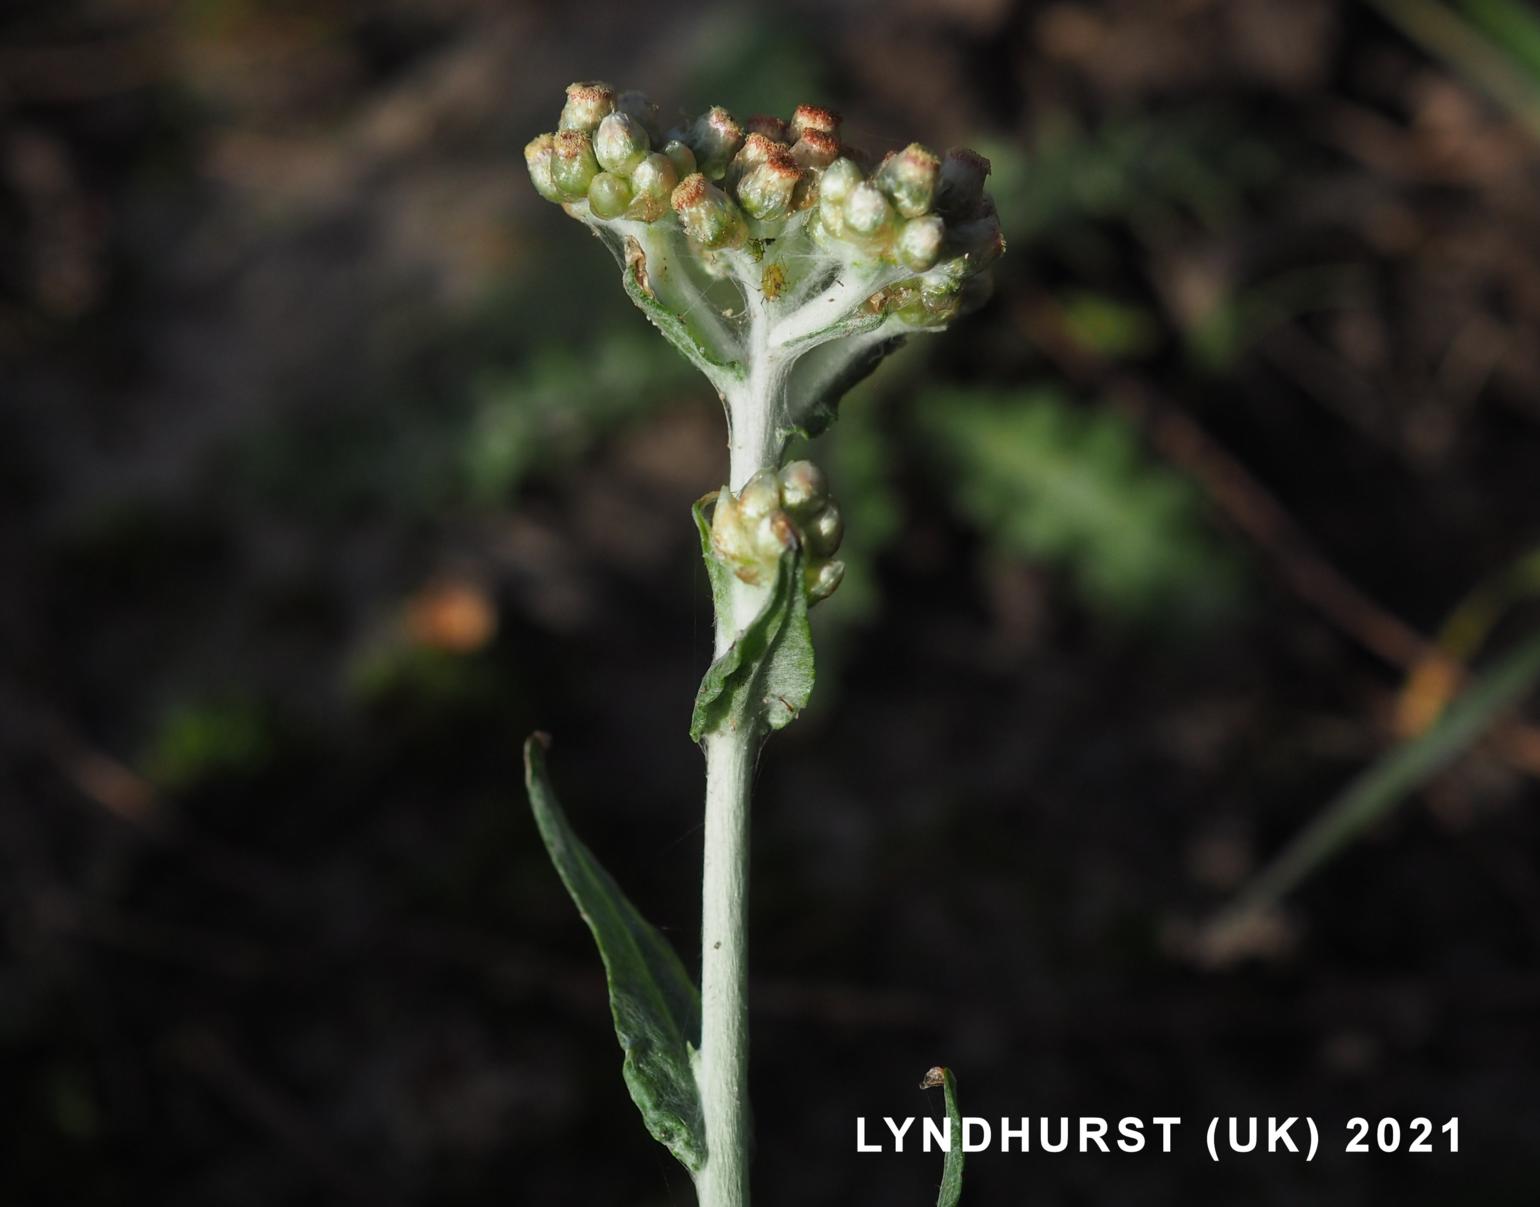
728, 182
775, 512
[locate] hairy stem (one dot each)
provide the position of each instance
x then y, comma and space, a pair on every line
722, 1070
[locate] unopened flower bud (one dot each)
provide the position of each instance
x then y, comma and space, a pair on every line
707, 214
909, 178
824, 532
760, 495
620, 143
653, 181
773, 128
838, 179
574, 165
962, 183
680, 156
812, 117
756, 149
587, 105
803, 488
641, 106
823, 580
715, 139
981, 240
766, 192
815, 149
608, 195
540, 156
867, 214
919, 242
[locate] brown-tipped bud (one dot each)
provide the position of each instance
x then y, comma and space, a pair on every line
909, 178
919, 242
587, 105
715, 139
540, 156
766, 192
574, 165
707, 214
680, 156
824, 532
641, 106
804, 489
774, 128
608, 195
867, 214
756, 149
811, 117
653, 182
620, 143
823, 580
815, 149
961, 190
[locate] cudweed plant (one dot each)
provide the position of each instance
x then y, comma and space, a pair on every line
784, 263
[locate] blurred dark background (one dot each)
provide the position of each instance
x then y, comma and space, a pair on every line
333, 461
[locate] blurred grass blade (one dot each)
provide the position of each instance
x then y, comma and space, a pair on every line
1394, 777
654, 1003
952, 1171
1513, 25
1483, 62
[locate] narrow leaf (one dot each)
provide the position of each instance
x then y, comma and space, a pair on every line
952, 1171
1393, 779
640, 289
766, 675
654, 1003
720, 575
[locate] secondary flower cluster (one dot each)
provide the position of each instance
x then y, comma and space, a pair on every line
735, 185
750, 530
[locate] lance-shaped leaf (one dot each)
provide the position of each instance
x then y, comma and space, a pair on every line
766, 675
655, 1004
952, 1170
637, 275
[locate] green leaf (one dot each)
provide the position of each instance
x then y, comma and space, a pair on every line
952, 1171
766, 675
654, 1003
634, 275
822, 377
720, 575
1392, 780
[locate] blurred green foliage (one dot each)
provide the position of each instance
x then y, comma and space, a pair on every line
196, 741
1045, 479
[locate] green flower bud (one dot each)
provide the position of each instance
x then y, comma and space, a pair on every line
540, 156
587, 105
815, 149
640, 106
608, 195
919, 242
837, 180
823, 580
680, 156
867, 214
707, 214
620, 143
811, 117
803, 488
961, 189
766, 192
715, 139
773, 128
910, 178
574, 165
653, 181
824, 532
